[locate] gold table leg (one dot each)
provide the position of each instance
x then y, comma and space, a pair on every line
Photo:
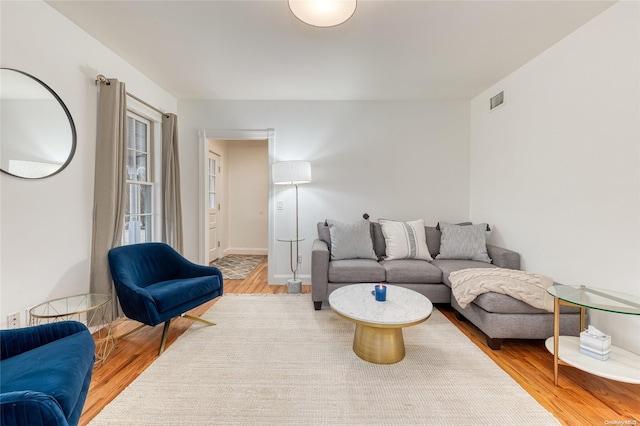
556, 338
556, 332
378, 345
105, 342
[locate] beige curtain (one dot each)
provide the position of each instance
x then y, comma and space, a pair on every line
171, 205
109, 186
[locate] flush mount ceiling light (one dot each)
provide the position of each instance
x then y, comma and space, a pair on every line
323, 13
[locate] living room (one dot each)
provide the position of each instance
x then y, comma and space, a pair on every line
555, 170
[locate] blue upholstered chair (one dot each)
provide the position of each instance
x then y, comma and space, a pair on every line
155, 284
45, 372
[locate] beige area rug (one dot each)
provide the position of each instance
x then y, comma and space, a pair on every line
237, 267
273, 360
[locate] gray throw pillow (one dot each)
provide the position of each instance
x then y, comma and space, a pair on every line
464, 242
351, 240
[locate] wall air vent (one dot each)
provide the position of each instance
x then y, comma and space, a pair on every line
496, 101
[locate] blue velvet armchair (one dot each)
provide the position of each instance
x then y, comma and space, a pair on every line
45, 372
155, 284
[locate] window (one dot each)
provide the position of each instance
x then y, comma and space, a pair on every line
139, 216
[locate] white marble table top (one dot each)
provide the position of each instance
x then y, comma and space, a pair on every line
403, 306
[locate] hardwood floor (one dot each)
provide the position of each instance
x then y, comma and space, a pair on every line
580, 398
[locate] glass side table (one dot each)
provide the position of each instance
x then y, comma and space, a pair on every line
87, 308
622, 365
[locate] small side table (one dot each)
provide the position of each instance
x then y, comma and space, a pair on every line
85, 308
294, 285
623, 366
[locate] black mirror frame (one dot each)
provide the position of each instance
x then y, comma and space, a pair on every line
74, 137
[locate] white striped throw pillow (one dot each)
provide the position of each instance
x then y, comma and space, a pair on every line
405, 240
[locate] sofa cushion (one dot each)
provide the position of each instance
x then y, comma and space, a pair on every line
356, 271
463, 242
405, 240
173, 293
411, 271
447, 266
351, 240
58, 369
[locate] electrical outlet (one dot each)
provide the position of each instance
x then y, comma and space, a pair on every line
299, 258
13, 320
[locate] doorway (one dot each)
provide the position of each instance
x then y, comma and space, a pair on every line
235, 216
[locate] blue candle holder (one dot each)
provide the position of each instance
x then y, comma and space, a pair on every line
381, 293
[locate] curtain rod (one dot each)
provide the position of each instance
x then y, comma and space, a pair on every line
102, 79
146, 103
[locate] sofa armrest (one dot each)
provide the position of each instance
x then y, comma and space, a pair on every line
30, 408
16, 341
320, 257
504, 258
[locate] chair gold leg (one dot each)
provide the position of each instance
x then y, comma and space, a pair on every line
192, 318
166, 329
164, 336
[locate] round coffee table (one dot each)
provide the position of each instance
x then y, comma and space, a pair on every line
378, 337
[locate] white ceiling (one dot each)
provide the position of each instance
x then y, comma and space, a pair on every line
389, 50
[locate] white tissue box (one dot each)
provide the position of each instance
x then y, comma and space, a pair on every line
595, 343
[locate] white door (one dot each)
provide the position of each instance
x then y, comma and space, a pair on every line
214, 206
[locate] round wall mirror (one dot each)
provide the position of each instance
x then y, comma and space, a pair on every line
37, 136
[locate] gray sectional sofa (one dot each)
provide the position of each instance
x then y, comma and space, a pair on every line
498, 316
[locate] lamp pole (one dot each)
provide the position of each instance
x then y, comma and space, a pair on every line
295, 270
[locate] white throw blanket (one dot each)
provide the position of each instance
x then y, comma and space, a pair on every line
467, 284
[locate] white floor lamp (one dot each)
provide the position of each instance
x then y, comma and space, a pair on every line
292, 173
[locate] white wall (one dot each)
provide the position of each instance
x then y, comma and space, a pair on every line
556, 169
401, 160
46, 225
247, 194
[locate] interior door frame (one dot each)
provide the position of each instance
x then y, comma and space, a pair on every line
219, 214
203, 217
